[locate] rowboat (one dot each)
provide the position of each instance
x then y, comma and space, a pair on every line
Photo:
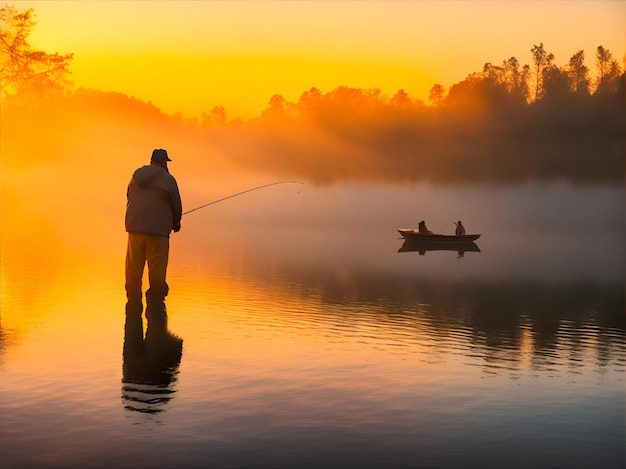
410, 233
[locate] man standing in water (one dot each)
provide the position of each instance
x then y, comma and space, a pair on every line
153, 210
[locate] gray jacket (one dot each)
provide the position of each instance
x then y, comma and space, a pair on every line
153, 202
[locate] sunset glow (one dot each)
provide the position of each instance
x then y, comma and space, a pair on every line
191, 56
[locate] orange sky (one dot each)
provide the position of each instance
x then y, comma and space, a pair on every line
190, 56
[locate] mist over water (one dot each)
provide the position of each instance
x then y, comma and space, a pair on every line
312, 335
310, 340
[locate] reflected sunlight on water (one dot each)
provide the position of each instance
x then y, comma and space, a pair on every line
310, 343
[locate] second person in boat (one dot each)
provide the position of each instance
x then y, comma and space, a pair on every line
422, 228
460, 229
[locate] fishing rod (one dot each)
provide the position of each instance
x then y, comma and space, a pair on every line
241, 193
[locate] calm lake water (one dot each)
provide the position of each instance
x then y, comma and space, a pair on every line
312, 338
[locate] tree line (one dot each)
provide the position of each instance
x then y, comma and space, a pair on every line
506, 122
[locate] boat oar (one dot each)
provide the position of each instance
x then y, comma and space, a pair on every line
241, 193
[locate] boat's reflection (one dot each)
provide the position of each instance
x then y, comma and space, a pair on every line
413, 245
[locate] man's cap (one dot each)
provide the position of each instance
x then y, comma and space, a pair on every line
159, 155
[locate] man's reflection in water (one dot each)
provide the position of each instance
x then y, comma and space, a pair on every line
150, 364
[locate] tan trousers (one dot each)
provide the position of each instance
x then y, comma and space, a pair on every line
154, 250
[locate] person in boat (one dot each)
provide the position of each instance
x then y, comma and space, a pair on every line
422, 228
153, 210
460, 229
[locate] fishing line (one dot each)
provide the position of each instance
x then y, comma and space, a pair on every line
241, 193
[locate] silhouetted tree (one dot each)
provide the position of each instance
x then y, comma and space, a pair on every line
310, 100
353, 99
603, 58
215, 117
555, 82
401, 99
22, 69
609, 72
480, 93
437, 94
578, 73
516, 79
276, 108
541, 59
493, 73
